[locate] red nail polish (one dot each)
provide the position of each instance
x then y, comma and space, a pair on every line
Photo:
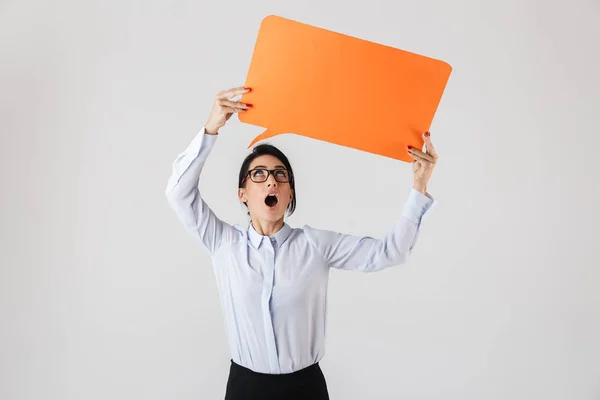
409, 147
427, 134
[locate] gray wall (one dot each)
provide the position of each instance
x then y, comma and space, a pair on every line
104, 296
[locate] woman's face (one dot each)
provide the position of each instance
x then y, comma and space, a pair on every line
267, 199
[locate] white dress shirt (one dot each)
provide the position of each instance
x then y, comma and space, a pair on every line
273, 290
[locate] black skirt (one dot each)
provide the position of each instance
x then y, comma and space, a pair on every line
245, 384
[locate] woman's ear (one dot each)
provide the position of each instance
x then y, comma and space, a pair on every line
242, 195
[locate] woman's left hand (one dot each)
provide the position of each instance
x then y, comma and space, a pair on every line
424, 164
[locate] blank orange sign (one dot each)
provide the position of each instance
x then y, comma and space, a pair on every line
339, 89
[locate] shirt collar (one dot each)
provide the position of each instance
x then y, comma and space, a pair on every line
280, 236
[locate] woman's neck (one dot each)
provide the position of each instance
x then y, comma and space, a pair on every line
267, 228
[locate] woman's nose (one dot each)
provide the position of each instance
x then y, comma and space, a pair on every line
271, 180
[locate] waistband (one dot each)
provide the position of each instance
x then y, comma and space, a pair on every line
304, 372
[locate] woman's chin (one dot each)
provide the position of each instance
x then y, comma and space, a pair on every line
273, 214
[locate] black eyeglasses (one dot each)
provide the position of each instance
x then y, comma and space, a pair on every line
259, 175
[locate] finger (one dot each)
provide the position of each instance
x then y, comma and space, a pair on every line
421, 158
232, 92
417, 163
229, 110
418, 160
421, 155
232, 104
430, 148
225, 94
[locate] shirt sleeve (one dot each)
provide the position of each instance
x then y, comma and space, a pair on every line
367, 254
184, 196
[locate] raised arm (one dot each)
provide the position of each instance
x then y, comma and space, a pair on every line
364, 253
367, 254
182, 188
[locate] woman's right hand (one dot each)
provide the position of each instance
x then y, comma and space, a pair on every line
224, 108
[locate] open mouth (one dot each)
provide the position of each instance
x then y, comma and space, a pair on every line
271, 200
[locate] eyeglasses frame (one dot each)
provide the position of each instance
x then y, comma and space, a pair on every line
269, 172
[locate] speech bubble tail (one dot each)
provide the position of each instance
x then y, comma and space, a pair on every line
265, 135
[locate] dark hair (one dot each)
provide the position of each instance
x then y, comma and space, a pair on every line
267, 149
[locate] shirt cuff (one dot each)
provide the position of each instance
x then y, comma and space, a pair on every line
199, 148
417, 205
203, 141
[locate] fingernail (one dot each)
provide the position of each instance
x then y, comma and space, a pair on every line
427, 134
247, 88
409, 147
248, 105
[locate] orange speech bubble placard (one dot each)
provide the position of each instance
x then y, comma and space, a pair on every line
339, 89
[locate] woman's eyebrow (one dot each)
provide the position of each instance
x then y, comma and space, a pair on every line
265, 167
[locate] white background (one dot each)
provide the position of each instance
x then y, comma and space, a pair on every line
104, 296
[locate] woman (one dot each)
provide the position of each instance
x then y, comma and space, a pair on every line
272, 278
